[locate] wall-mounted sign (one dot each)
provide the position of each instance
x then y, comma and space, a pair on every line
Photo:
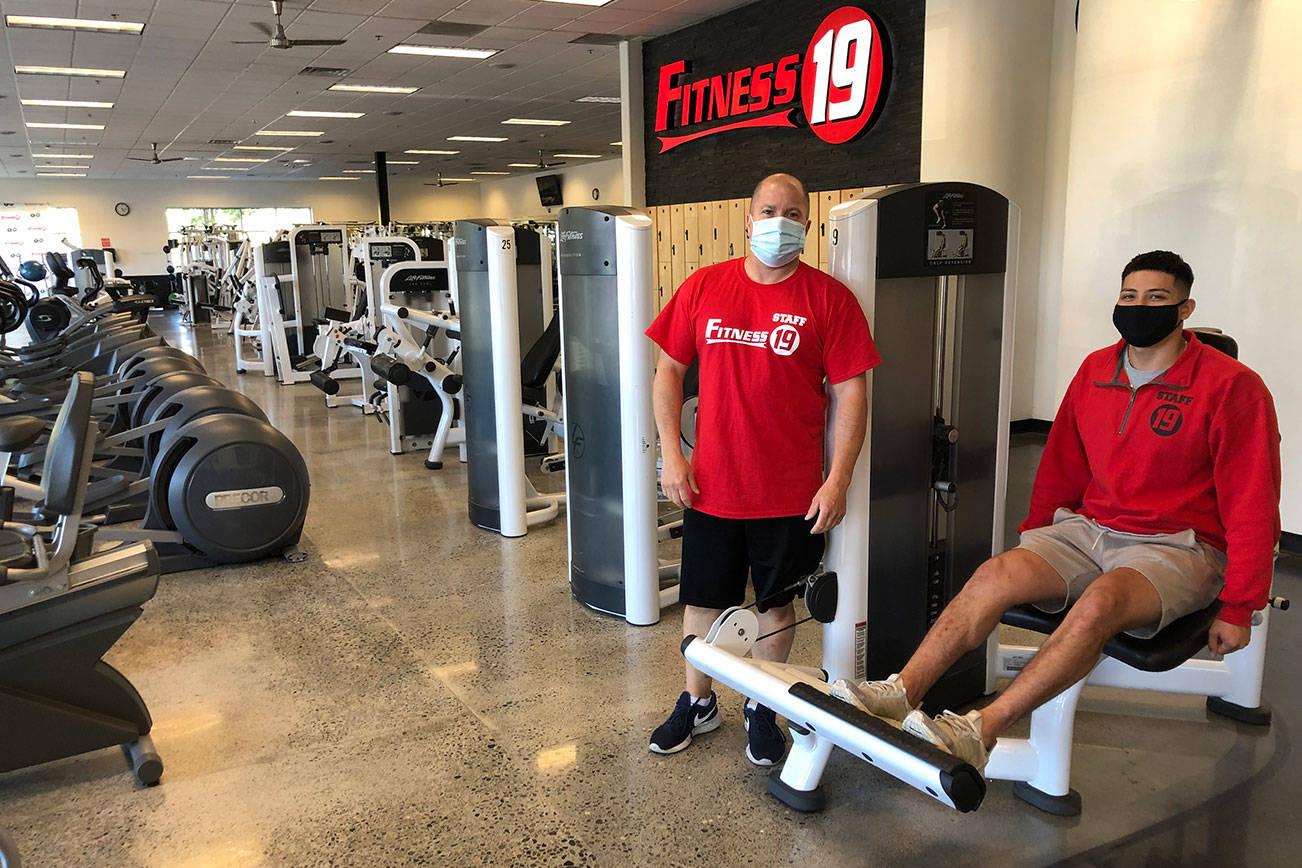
828, 91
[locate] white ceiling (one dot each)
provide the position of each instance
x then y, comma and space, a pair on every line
186, 83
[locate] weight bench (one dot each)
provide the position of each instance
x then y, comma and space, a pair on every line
1040, 765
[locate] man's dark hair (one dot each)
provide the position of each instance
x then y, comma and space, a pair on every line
1166, 262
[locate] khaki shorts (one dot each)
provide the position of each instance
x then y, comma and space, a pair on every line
1187, 573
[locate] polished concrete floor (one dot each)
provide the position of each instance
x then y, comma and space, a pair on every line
420, 692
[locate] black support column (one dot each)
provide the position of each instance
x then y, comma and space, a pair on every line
382, 185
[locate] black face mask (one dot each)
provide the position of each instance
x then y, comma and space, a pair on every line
1142, 325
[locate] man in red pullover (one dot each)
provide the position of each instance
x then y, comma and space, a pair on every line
1158, 493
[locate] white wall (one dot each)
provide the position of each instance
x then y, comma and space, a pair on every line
518, 196
139, 237
1186, 134
985, 119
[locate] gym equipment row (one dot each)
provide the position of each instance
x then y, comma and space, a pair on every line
932, 479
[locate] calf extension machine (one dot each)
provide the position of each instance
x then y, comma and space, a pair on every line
926, 505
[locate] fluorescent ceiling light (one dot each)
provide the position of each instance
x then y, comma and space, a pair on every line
490, 173
617, 144
359, 171
371, 88
60, 174
67, 103
74, 23
224, 168
476, 139
402, 162
416, 151
524, 165
337, 178
45, 126
441, 51
239, 159
461, 180
309, 162
63, 167
264, 148
207, 177
535, 122
65, 156
581, 156
70, 70
613, 100
578, 2
289, 133
311, 114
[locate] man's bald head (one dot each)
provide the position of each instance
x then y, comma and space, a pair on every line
780, 192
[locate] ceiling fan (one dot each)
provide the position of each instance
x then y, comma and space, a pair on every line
543, 164
155, 159
439, 182
276, 37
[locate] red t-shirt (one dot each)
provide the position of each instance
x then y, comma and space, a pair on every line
764, 350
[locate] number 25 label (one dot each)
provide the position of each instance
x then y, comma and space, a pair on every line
841, 86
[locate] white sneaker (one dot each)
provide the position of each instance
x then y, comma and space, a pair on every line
885, 699
958, 734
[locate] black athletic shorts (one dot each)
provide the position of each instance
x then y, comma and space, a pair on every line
718, 552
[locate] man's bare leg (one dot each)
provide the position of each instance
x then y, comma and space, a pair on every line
776, 648
1015, 577
697, 622
1115, 602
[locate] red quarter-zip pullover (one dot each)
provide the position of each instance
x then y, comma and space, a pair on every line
1196, 448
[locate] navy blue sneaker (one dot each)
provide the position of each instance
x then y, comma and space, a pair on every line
765, 743
686, 721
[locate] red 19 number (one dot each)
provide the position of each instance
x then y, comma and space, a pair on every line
841, 84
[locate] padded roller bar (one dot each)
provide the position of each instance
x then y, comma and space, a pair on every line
451, 384
922, 766
360, 344
324, 382
391, 369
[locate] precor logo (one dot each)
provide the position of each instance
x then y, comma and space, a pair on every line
241, 497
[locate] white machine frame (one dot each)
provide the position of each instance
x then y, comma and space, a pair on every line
396, 338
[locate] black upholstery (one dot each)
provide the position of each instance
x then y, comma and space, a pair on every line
537, 364
19, 432
1178, 641
62, 273
67, 456
1219, 340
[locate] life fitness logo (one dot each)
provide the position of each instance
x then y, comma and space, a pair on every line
841, 82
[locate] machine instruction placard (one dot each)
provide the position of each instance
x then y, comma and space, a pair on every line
951, 229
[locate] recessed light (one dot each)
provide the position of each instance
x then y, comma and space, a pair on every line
208, 177
312, 114
73, 24
359, 171
524, 165
418, 151
60, 174
67, 103
289, 133
337, 178
611, 100
224, 168
578, 2
308, 162
66, 156
45, 126
402, 162
264, 148
371, 88
70, 70
461, 180
535, 122
490, 173
581, 156
476, 139
239, 159
617, 144
441, 51
56, 166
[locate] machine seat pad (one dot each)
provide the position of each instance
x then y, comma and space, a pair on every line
1178, 641
537, 364
19, 432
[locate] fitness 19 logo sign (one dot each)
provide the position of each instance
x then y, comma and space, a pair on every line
841, 81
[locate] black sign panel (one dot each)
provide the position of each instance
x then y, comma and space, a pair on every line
828, 91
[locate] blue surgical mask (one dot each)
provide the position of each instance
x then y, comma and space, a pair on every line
776, 241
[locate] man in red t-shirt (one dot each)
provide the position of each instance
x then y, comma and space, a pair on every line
1157, 494
767, 332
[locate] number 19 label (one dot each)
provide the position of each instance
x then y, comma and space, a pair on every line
841, 84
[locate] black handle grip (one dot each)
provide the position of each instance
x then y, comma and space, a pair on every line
391, 369
324, 382
359, 344
452, 384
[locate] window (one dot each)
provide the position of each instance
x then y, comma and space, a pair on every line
27, 231
260, 224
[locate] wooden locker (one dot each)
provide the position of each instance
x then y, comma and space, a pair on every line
810, 254
664, 284
663, 233
720, 231
736, 228
692, 246
826, 202
677, 248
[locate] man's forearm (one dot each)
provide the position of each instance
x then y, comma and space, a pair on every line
667, 403
849, 423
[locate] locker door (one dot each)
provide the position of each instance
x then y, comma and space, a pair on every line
692, 238
677, 248
736, 228
826, 202
810, 255
664, 284
664, 233
720, 236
